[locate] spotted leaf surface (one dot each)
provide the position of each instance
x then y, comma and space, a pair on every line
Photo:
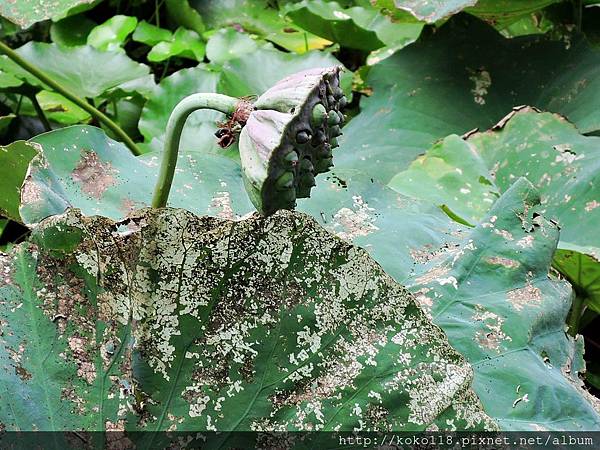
27, 12
466, 176
465, 76
500, 309
99, 175
169, 321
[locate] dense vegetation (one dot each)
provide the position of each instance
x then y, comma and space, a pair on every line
444, 273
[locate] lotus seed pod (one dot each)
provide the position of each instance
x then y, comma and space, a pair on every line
286, 139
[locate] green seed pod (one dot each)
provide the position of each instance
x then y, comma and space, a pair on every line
286, 139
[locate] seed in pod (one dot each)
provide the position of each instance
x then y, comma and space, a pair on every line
324, 165
292, 114
342, 102
306, 165
302, 137
319, 113
333, 118
335, 131
285, 181
318, 138
291, 159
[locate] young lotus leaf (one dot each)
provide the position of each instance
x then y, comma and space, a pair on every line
169, 321
494, 299
289, 137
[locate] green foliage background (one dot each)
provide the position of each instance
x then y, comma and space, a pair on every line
469, 170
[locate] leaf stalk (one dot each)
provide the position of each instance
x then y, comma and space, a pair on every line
57, 87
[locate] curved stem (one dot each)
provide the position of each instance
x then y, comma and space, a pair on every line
57, 87
188, 105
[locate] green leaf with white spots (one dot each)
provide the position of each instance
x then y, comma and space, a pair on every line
27, 12
84, 70
399, 232
80, 166
451, 175
356, 27
14, 160
500, 309
465, 76
564, 165
169, 321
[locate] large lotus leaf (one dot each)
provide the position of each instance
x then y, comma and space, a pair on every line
169, 321
363, 28
27, 12
399, 232
99, 176
495, 301
563, 164
465, 75
80, 166
252, 74
84, 70
14, 161
258, 17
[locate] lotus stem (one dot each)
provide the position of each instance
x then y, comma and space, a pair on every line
184, 108
57, 87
